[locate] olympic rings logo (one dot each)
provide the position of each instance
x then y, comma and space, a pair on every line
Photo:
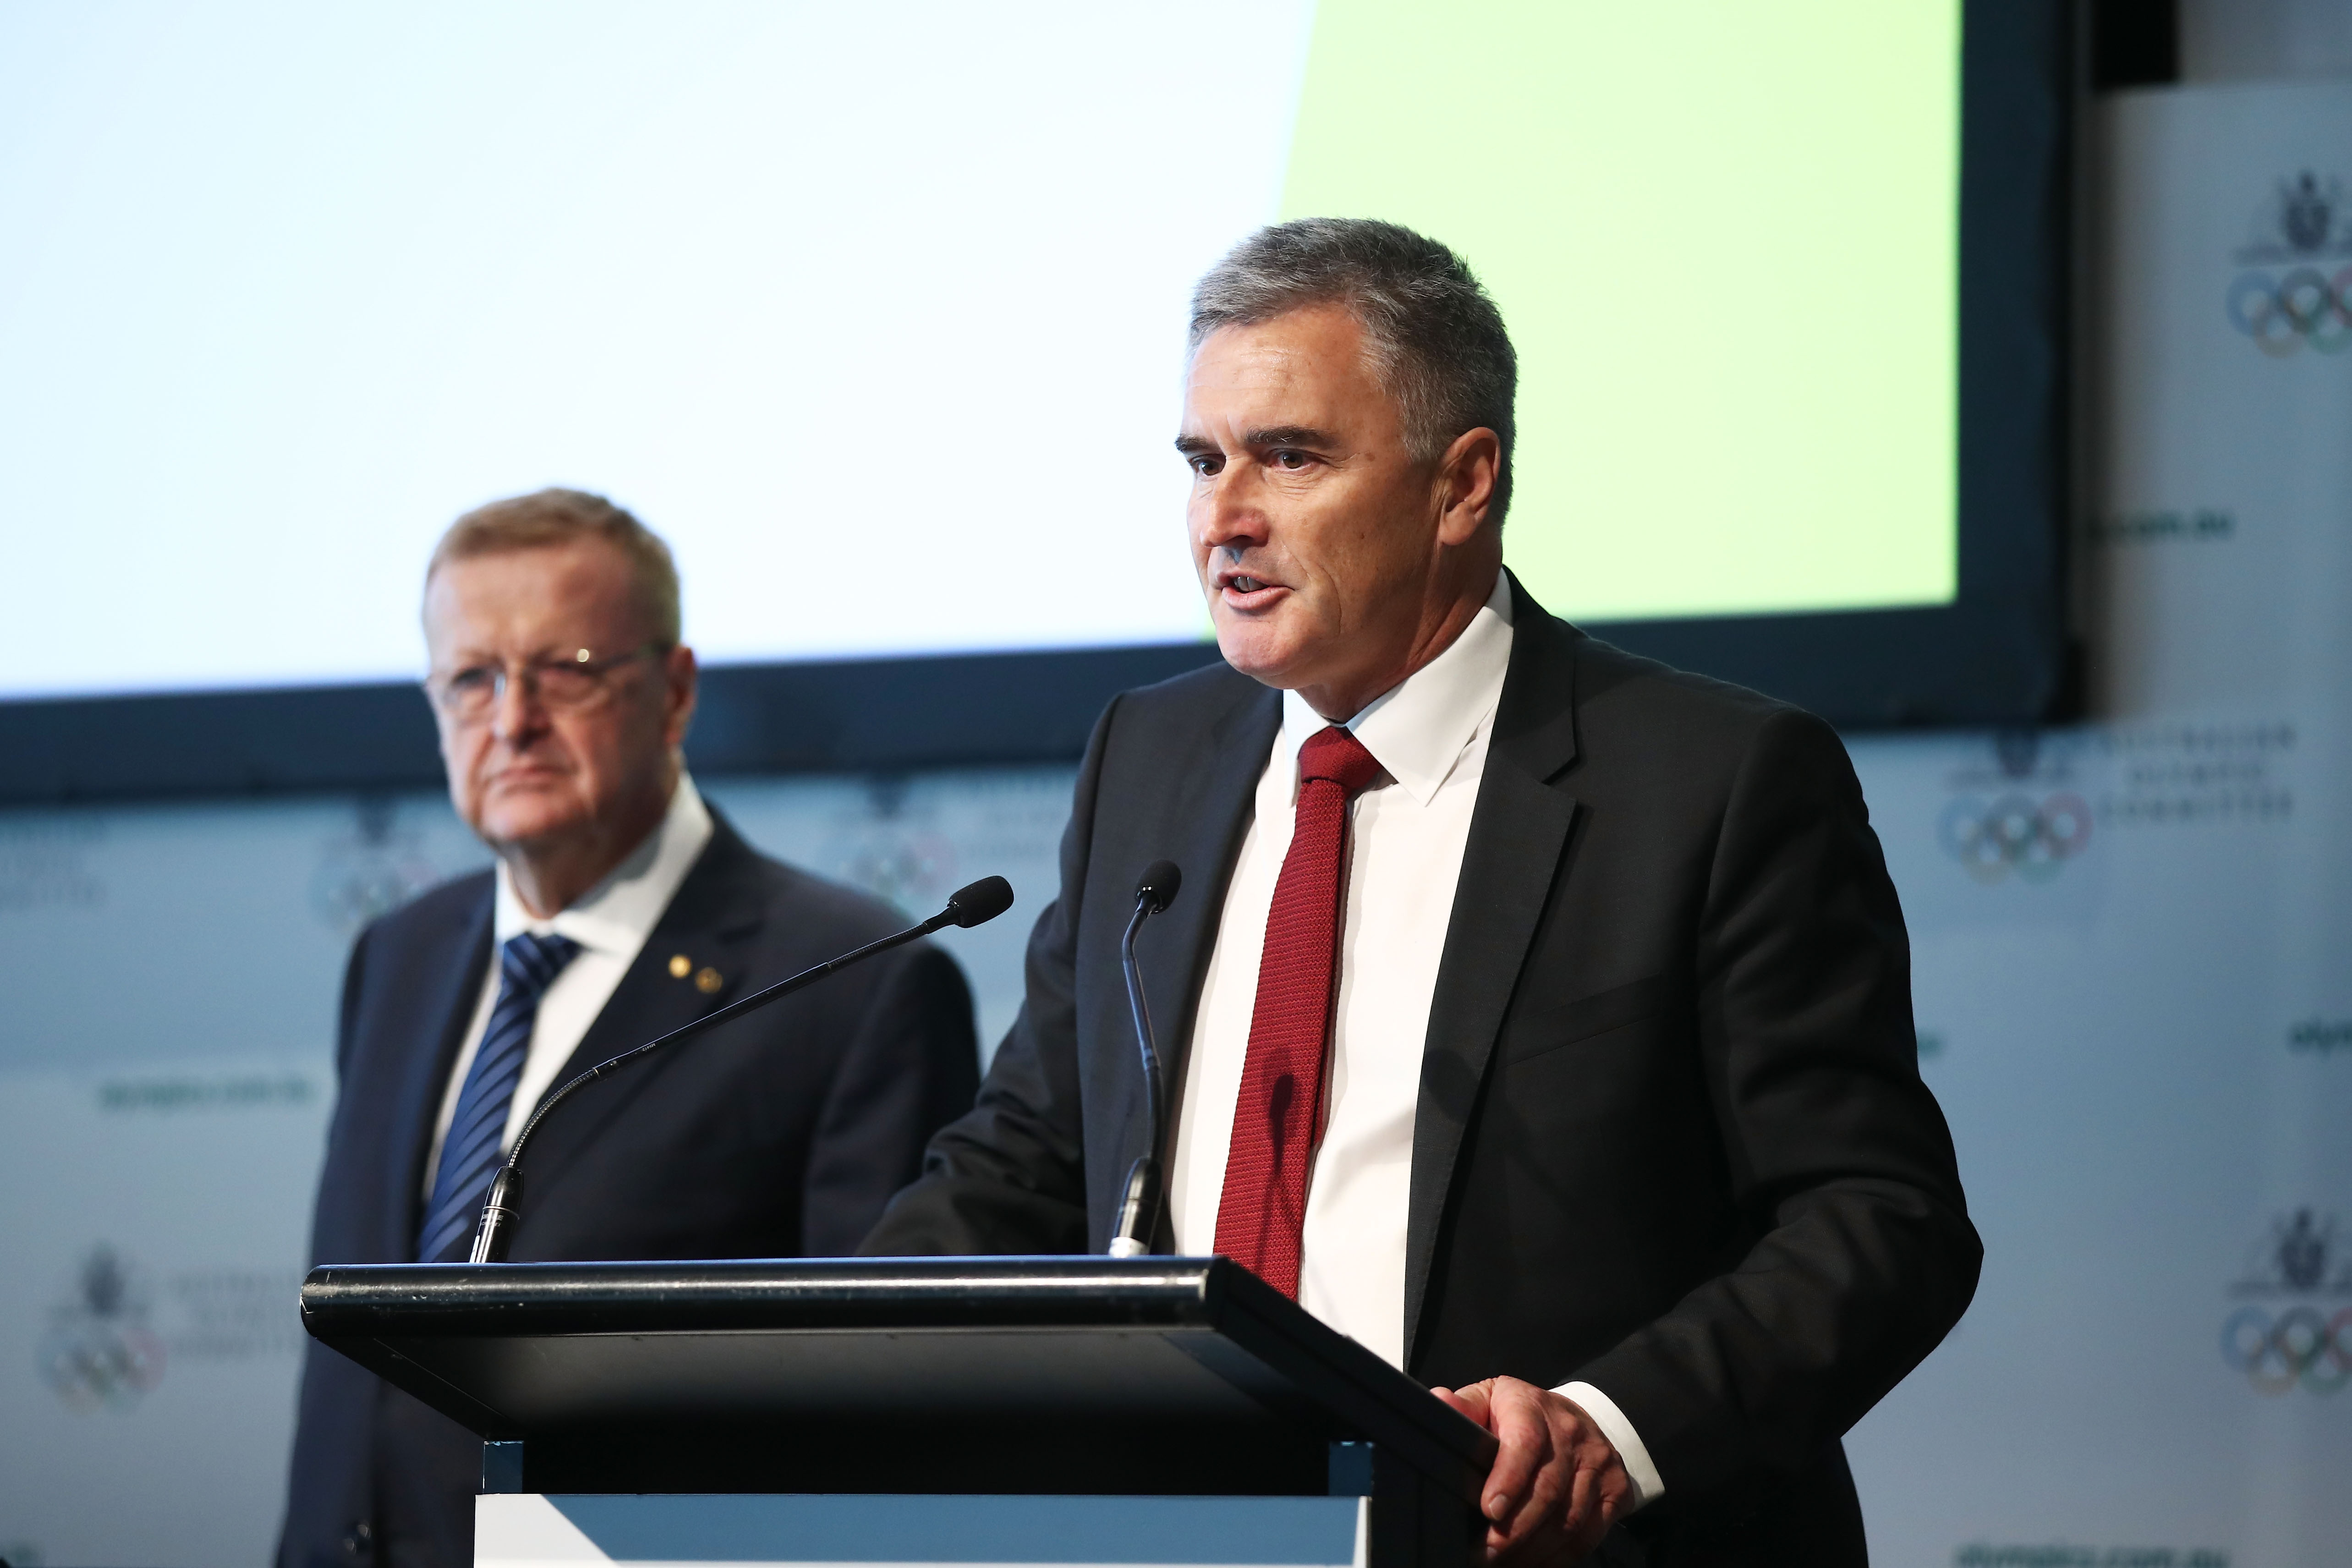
2298, 1346
91, 1364
2015, 833
2282, 314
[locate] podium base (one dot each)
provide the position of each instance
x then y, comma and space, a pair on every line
533, 1530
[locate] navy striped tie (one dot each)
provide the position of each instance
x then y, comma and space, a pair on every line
472, 1151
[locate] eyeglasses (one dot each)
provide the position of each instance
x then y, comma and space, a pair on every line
560, 685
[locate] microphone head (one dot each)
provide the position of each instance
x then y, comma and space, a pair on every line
1157, 884
980, 903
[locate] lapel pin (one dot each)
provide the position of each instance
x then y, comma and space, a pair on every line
707, 981
680, 966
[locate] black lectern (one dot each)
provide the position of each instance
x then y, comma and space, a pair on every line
1045, 1409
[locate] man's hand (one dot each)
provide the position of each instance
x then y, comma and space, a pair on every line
1557, 1484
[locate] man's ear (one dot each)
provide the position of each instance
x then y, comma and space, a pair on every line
681, 680
1466, 477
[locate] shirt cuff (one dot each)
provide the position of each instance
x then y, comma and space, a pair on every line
1647, 1487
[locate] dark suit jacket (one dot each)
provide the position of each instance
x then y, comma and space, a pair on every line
779, 1135
1672, 1139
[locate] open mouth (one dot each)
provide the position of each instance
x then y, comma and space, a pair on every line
1241, 590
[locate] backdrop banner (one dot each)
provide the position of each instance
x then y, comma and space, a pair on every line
2132, 945
2132, 939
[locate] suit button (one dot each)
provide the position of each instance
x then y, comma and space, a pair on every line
363, 1534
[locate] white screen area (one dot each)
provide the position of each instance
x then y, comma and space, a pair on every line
874, 312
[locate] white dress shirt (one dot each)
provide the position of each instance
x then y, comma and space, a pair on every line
611, 922
1406, 837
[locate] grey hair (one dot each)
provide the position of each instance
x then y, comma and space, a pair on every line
555, 517
1436, 341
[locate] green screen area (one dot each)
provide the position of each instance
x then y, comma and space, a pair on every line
1725, 235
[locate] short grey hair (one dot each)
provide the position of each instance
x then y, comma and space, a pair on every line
1437, 342
555, 517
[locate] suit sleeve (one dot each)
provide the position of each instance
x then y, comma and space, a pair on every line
347, 1017
349, 1011
912, 1064
1010, 1176
1837, 1152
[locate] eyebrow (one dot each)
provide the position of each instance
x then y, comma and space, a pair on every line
1291, 436
1273, 436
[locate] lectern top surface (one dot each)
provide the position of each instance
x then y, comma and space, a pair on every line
774, 1293
519, 1351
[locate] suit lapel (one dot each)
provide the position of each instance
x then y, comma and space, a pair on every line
1517, 834
715, 913
445, 1010
1206, 822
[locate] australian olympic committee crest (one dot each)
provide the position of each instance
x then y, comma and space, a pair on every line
2030, 834
100, 1352
2292, 1326
2294, 283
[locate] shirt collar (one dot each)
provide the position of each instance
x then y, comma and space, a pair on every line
620, 912
1418, 728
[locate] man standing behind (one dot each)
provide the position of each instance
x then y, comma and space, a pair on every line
622, 907
1542, 1014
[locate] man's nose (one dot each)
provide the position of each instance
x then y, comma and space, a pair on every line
515, 711
1230, 513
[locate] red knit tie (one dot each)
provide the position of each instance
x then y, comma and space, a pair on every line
1279, 1119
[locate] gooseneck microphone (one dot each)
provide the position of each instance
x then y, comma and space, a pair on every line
1140, 1208
982, 900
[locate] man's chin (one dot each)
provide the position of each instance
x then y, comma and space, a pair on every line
1264, 649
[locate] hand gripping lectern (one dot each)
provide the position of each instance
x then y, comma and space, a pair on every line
961, 1410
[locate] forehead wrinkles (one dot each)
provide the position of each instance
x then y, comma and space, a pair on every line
1256, 367
1261, 384
528, 608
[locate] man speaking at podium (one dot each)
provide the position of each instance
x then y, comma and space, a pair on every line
623, 906
1541, 1015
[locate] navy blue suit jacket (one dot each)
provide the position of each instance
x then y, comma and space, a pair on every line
782, 1134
